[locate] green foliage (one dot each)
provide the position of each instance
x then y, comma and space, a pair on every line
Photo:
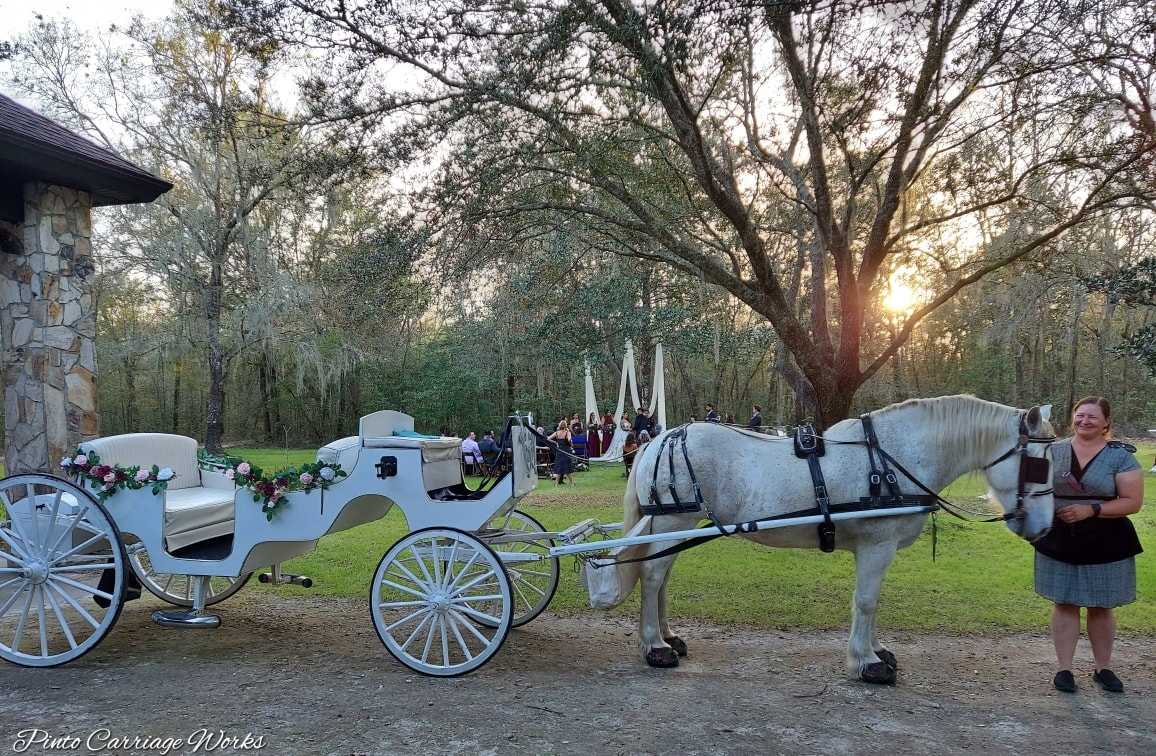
1133, 285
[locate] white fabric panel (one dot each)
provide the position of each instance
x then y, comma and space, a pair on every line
148, 449
658, 403
195, 514
591, 400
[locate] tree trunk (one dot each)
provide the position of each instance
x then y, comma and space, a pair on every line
1074, 342
215, 411
175, 416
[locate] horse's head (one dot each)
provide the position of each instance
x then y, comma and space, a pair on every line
1021, 478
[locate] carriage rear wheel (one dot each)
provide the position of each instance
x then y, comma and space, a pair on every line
62, 571
178, 590
534, 582
441, 602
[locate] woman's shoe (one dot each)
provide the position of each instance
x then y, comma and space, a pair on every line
1107, 680
1064, 681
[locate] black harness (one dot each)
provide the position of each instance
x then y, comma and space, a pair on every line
809, 445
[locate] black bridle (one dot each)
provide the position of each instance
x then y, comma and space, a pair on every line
1036, 470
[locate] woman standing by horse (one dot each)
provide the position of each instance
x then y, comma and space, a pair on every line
1088, 559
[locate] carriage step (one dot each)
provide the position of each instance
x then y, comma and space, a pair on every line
190, 619
579, 532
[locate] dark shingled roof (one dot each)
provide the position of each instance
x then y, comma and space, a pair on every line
35, 148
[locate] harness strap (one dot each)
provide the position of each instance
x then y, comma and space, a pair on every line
875, 478
946, 505
656, 506
753, 526
807, 445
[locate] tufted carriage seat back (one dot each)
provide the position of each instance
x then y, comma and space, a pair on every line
148, 449
198, 504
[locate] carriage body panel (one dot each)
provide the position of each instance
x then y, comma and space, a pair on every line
423, 477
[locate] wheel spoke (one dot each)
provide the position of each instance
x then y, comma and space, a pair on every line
78, 607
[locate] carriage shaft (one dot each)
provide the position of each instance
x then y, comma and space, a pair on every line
744, 527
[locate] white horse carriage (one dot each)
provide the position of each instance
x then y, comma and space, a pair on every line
472, 566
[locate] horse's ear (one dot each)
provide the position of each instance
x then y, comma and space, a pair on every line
1038, 415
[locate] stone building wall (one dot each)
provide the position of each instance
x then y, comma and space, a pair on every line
48, 331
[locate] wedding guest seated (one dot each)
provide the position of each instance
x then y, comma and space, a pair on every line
471, 453
491, 450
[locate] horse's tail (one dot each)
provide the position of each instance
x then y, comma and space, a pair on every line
628, 574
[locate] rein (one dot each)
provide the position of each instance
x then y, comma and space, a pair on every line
1032, 470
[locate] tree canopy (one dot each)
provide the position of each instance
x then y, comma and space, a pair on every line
805, 158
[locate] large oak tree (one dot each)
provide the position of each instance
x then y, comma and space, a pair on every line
869, 143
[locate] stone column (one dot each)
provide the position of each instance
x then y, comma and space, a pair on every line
48, 329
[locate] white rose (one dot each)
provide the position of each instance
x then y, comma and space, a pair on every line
166, 473
66, 462
327, 473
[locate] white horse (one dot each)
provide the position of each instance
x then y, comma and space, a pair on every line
744, 476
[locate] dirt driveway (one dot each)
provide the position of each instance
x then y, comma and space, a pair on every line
309, 676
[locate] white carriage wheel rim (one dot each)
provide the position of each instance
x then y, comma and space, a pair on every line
39, 575
428, 591
527, 593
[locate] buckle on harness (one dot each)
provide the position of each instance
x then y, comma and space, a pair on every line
808, 442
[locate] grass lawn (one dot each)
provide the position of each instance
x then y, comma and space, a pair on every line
980, 580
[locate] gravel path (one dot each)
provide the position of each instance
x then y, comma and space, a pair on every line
309, 676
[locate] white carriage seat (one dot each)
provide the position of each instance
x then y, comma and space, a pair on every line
199, 504
441, 456
342, 452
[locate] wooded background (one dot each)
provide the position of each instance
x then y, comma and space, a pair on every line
446, 210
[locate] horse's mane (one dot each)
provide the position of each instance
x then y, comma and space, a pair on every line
965, 425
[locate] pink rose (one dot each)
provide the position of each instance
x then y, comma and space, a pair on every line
230, 473
110, 477
305, 479
142, 476
81, 460
244, 468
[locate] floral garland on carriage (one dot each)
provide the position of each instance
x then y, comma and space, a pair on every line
269, 490
108, 479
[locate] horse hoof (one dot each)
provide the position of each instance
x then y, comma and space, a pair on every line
678, 644
878, 674
887, 658
662, 657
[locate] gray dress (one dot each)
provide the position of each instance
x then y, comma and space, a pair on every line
1103, 584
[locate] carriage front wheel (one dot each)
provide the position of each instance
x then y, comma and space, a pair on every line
534, 581
441, 602
62, 571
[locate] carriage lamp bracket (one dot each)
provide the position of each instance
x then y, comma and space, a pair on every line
387, 467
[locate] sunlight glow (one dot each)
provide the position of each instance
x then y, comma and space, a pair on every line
900, 298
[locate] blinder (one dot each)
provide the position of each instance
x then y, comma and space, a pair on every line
1036, 469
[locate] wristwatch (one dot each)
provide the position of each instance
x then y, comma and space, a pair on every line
1095, 509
